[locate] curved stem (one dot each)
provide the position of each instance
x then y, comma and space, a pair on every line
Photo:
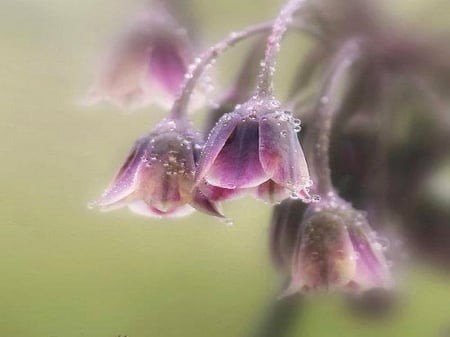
326, 108
265, 79
280, 317
196, 69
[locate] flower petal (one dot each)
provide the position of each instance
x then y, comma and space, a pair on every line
167, 65
202, 203
281, 154
219, 193
215, 142
237, 165
323, 260
127, 179
372, 269
271, 192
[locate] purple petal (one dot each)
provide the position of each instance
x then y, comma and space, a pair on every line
202, 203
215, 142
163, 190
372, 270
281, 154
127, 179
271, 192
324, 255
237, 165
220, 194
167, 65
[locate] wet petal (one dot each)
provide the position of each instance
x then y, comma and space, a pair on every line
167, 65
281, 154
202, 203
127, 179
237, 165
219, 193
324, 256
371, 268
271, 192
214, 144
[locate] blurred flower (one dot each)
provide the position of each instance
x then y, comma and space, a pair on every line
284, 230
255, 144
157, 177
146, 65
337, 249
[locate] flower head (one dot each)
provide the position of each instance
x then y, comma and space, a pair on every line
256, 146
157, 177
337, 249
146, 65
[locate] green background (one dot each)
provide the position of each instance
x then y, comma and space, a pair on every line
67, 271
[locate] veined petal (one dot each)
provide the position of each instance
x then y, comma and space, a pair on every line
281, 154
202, 203
237, 165
372, 270
167, 65
219, 193
271, 192
214, 144
127, 179
324, 256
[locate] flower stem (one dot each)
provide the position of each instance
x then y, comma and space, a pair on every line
197, 68
327, 107
280, 317
265, 78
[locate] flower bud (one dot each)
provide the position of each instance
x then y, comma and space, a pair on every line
157, 178
337, 250
255, 144
146, 65
284, 231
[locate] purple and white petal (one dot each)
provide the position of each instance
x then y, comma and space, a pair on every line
271, 192
202, 203
237, 165
127, 179
281, 154
214, 144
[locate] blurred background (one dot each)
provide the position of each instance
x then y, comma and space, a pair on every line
67, 271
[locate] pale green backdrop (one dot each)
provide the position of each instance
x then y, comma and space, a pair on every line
66, 271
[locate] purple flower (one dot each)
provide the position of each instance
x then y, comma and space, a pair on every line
146, 65
256, 146
157, 179
337, 249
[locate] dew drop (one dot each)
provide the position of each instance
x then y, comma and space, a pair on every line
228, 222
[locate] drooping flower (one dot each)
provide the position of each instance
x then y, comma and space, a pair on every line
157, 179
337, 250
146, 65
284, 230
256, 146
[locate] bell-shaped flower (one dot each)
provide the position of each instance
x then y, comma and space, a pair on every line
337, 250
146, 65
256, 146
157, 179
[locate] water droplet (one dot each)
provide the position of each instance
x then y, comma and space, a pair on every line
92, 205
228, 222
316, 198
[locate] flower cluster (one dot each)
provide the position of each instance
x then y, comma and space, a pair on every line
252, 144
253, 149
